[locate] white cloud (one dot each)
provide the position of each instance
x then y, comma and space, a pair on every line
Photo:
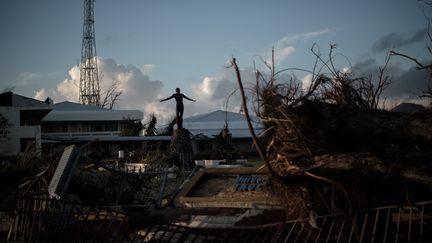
346, 70
284, 47
206, 87
211, 93
147, 68
139, 92
68, 89
41, 94
280, 54
164, 112
214, 92
221, 91
306, 82
137, 89
205, 91
289, 40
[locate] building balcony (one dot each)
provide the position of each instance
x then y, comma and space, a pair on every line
74, 135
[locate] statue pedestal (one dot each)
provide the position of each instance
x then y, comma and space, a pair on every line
181, 145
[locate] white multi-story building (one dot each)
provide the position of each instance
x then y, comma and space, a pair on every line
70, 121
73, 123
21, 126
29, 123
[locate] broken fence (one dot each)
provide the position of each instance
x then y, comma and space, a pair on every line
40, 219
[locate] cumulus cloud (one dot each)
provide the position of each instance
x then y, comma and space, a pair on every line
211, 93
397, 40
214, 92
284, 47
164, 112
137, 89
140, 92
41, 94
221, 91
306, 82
147, 68
68, 89
281, 54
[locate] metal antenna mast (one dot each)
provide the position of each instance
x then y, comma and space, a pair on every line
89, 79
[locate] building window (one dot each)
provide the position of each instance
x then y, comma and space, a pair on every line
27, 118
28, 144
111, 127
99, 128
202, 145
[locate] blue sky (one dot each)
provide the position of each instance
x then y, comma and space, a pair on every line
155, 46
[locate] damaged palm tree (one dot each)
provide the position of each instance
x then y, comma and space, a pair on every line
332, 138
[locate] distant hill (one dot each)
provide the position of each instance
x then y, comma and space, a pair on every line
408, 108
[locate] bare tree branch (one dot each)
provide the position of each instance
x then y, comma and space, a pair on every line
111, 95
420, 66
425, 2
254, 137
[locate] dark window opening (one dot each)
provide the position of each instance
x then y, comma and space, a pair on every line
202, 145
28, 144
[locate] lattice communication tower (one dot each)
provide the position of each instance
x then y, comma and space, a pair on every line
89, 79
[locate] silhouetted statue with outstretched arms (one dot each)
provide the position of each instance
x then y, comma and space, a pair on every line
179, 106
